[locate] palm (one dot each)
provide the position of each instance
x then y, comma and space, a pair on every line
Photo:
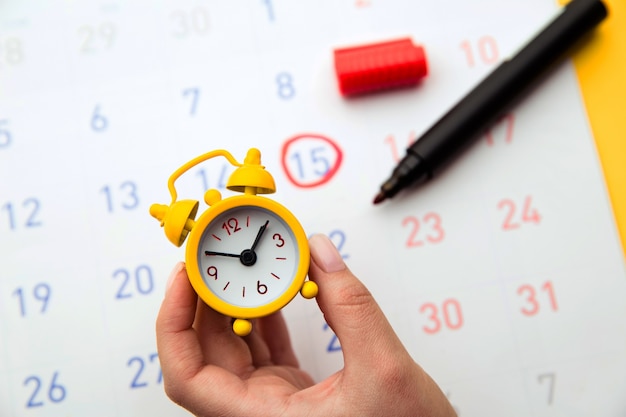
211, 371
260, 368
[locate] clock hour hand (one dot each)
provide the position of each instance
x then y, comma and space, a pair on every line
212, 253
258, 235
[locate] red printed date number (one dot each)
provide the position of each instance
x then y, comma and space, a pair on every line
427, 229
537, 298
310, 160
447, 315
516, 214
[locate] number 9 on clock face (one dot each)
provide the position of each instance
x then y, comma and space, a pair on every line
248, 256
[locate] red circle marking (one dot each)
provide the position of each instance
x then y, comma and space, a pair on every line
327, 176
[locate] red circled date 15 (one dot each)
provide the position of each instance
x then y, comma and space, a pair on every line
310, 159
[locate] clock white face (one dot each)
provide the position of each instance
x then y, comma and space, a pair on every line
248, 256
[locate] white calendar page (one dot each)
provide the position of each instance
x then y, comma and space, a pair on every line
504, 277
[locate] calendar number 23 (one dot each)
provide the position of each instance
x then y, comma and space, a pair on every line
428, 229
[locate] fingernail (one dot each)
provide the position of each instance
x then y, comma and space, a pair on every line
325, 255
170, 280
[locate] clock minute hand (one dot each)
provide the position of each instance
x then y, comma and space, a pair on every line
258, 235
211, 253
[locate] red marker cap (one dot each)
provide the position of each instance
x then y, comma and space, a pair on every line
379, 66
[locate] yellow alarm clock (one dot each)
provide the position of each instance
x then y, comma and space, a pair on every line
247, 256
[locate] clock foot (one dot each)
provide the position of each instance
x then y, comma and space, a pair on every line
309, 289
242, 327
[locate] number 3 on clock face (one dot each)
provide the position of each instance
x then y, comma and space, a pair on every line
247, 257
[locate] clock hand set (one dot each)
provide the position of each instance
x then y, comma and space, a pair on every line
247, 256
232, 255
258, 236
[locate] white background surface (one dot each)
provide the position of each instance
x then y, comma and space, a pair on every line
99, 103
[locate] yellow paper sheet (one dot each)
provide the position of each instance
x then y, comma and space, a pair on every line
601, 68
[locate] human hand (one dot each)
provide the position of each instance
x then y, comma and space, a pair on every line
211, 371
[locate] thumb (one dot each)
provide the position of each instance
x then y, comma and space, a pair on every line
349, 308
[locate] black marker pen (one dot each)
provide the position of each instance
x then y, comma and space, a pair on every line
488, 101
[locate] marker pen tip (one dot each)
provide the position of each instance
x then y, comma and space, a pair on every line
380, 197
